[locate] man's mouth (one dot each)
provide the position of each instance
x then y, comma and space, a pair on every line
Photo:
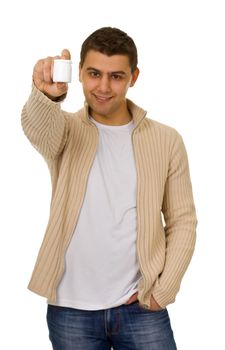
102, 98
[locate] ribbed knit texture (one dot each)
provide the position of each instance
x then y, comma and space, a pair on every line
69, 142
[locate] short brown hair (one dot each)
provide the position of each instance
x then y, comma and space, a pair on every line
110, 41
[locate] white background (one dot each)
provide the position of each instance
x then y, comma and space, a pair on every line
182, 84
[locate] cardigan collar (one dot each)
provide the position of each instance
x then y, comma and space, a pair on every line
137, 113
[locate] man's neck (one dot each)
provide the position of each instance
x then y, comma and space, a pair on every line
114, 121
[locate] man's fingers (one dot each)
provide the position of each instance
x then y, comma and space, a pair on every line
65, 54
63, 87
47, 70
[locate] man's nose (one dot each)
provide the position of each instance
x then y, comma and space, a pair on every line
104, 84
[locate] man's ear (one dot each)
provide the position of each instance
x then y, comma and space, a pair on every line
79, 72
134, 77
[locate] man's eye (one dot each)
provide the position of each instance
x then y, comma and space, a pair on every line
94, 74
116, 76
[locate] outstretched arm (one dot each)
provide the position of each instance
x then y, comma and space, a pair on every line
43, 122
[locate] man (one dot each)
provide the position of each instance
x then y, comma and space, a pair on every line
107, 265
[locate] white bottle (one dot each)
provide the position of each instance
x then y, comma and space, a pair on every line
62, 71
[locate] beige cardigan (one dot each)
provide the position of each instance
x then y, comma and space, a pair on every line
68, 143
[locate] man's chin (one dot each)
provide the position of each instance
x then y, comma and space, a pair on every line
103, 112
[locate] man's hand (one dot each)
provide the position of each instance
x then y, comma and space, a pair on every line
154, 305
132, 299
42, 76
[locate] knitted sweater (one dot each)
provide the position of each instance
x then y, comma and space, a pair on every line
166, 218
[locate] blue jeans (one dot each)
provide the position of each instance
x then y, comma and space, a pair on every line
126, 327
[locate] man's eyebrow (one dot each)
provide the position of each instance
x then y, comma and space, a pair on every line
98, 71
92, 68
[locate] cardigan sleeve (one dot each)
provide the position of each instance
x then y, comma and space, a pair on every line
180, 225
44, 124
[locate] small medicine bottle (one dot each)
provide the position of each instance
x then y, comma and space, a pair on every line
62, 71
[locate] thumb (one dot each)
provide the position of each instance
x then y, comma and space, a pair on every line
132, 298
65, 54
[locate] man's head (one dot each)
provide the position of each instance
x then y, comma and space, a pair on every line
108, 67
110, 41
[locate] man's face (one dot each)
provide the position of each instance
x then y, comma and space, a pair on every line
105, 80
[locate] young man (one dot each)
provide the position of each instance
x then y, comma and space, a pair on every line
107, 264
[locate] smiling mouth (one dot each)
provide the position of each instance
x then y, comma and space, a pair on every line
102, 98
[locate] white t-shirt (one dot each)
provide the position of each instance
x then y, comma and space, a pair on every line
101, 267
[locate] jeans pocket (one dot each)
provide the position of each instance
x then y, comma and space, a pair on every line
147, 309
